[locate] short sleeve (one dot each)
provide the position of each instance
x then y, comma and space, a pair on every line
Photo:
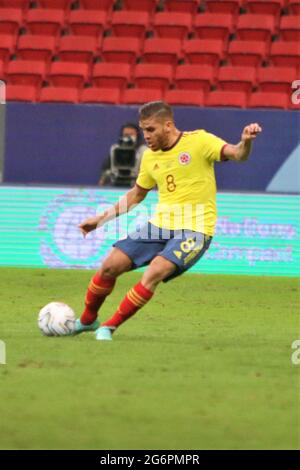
214, 147
144, 179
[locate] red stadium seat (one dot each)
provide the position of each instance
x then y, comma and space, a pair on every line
55, 4
255, 27
97, 4
87, 22
45, 22
195, 77
141, 96
59, 95
21, 93
213, 25
234, 99
224, 6
265, 7
2, 71
124, 50
247, 53
294, 102
22, 4
276, 79
34, 47
25, 72
110, 75
294, 7
130, 23
290, 28
140, 5
77, 48
201, 51
162, 51
185, 97
100, 95
172, 25
268, 100
237, 78
285, 54
153, 76
7, 46
11, 20
183, 6
68, 74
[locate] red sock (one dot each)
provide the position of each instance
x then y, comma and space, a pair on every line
98, 290
135, 299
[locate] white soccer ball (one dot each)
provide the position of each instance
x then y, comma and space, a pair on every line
56, 319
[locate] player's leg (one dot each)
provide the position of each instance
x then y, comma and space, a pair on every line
178, 256
100, 286
159, 269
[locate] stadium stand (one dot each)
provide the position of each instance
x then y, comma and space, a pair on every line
233, 99
205, 52
151, 76
294, 7
285, 54
140, 95
2, 69
237, 78
68, 74
97, 4
24, 72
55, 4
195, 77
266, 7
248, 53
183, 6
100, 95
7, 46
148, 6
276, 79
59, 95
87, 22
21, 93
35, 47
290, 28
22, 4
11, 19
268, 100
254, 27
213, 26
45, 22
125, 50
172, 24
224, 6
111, 75
185, 97
78, 48
130, 23
162, 51
140, 48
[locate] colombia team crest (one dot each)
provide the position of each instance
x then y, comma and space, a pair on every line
184, 158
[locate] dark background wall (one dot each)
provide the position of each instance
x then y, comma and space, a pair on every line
65, 144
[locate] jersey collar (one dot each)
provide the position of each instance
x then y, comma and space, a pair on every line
175, 143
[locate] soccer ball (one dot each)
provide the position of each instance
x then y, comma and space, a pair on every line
56, 319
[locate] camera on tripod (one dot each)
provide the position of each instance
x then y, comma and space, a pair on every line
123, 161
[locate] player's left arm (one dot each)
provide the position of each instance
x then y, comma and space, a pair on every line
241, 151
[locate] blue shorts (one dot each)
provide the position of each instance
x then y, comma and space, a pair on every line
182, 247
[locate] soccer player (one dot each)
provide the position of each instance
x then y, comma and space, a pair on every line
181, 165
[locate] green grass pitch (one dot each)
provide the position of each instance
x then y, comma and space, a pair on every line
205, 365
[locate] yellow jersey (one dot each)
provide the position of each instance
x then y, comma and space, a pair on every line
185, 178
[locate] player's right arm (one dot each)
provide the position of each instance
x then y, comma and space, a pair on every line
133, 197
